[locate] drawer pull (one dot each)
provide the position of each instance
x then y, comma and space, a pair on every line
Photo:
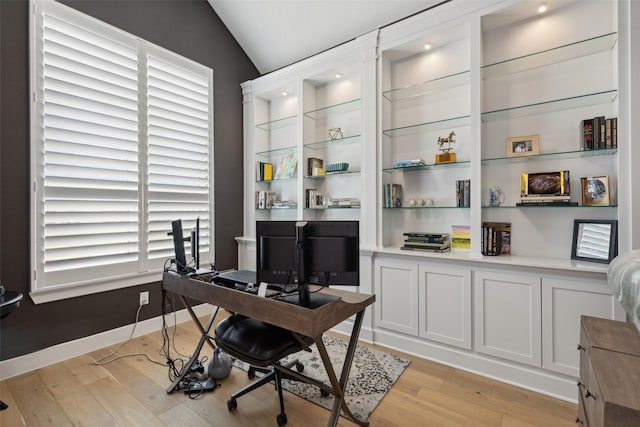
581, 347
579, 421
579, 383
587, 393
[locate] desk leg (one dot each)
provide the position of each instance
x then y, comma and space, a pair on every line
339, 386
204, 330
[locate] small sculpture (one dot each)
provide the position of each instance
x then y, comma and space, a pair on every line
335, 133
446, 156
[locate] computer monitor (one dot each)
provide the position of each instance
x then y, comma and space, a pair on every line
321, 253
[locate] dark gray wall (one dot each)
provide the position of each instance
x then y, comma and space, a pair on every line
187, 27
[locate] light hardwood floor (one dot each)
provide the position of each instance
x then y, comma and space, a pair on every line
131, 392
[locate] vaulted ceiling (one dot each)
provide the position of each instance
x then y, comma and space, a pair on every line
276, 33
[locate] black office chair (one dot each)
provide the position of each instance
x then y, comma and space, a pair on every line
263, 346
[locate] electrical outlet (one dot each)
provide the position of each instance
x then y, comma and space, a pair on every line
144, 297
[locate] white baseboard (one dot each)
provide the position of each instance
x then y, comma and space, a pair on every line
537, 380
57, 353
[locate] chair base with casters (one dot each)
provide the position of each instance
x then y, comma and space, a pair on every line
262, 346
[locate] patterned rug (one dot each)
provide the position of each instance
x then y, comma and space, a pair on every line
372, 375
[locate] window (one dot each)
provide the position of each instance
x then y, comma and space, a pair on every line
122, 144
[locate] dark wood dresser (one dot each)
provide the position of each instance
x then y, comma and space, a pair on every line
609, 384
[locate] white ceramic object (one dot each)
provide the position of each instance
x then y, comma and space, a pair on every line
623, 277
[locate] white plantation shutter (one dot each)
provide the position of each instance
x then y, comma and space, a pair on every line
179, 153
121, 146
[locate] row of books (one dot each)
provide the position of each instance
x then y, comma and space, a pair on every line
463, 193
496, 238
428, 242
264, 171
265, 199
392, 195
599, 133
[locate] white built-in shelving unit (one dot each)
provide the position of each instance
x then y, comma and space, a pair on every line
494, 70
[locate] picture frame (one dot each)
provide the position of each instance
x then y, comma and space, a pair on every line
527, 145
595, 190
595, 240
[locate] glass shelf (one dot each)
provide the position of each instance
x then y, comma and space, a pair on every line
426, 207
427, 167
427, 87
550, 106
277, 151
546, 206
278, 180
557, 155
329, 175
277, 123
332, 208
429, 126
341, 108
551, 56
318, 145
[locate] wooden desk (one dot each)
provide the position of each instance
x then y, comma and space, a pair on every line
305, 321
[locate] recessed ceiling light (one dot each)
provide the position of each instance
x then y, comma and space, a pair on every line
542, 8
338, 75
284, 93
427, 46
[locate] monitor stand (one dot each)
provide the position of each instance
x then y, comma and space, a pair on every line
316, 299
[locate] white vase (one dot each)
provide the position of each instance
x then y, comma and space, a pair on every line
623, 277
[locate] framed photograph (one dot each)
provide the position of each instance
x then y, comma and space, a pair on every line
595, 240
595, 191
528, 145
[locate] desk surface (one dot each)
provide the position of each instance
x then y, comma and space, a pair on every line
311, 322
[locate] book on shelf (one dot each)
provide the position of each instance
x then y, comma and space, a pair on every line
343, 203
314, 166
284, 204
463, 193
264, 171
540, 198
599, 133
496, 238
392, 195
265, 199
425, 235
438, 250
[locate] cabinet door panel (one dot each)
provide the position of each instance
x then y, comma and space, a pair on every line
507, 316
445, 305
563, 302
397, 295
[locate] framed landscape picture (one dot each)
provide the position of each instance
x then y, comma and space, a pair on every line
528, 145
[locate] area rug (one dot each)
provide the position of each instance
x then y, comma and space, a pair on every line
372, 374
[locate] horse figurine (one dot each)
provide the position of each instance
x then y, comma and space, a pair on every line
448, 140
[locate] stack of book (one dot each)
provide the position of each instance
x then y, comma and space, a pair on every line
463, 193
496, 238
599, 133
344, 203
284, 204
429, 242
392, 195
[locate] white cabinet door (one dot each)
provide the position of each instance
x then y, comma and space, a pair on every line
445, 305
563, 302
507, 316
397, 295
